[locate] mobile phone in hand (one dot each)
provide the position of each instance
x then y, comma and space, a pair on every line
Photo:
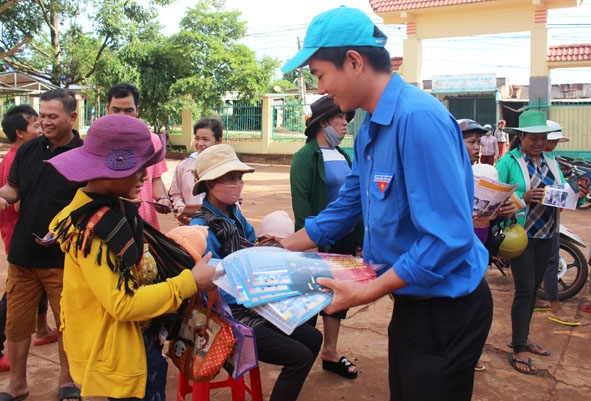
44, 239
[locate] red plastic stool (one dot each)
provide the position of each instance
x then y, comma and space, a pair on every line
200, 390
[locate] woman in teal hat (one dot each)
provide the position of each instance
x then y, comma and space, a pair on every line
532, 169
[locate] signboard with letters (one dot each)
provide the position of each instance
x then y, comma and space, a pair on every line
464, 83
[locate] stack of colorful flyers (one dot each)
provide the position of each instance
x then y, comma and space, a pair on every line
281, 285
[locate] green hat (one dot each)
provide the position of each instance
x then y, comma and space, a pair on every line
533, 122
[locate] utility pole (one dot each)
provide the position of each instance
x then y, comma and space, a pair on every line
301, 81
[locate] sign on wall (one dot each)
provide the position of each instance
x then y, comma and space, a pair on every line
464, 83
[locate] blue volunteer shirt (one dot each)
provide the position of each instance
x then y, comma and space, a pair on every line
412, 183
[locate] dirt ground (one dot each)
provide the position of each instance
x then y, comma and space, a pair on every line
564, 375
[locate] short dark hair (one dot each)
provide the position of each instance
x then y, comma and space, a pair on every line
124, 89
473, 132
17, 118
377, 57
67, 98
214, 124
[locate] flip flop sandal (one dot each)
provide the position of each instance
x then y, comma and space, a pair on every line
537, 349
341, 368
586, 308
533, 348
515, 361
8, 397
46, 340
566, 322
69, 392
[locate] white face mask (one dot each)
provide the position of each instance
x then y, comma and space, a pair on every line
332, 136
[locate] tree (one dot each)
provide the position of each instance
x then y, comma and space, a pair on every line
293, 76
19, 25
216, 63
281, 86
71, 57
150, 60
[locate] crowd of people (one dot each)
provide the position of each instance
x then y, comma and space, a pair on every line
94, 257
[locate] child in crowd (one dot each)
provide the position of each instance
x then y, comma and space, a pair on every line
219, 174
206, 132
472, 133
113, 289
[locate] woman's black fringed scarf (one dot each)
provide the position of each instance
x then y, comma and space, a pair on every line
224, 230
117, 223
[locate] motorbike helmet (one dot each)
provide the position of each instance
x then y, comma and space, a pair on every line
514, 242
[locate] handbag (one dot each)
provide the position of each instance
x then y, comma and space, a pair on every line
204, 341
244, 356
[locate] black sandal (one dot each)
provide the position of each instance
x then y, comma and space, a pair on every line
341, 368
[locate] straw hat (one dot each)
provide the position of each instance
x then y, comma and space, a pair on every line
214, 162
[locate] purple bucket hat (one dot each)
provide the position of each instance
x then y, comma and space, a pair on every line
116, 146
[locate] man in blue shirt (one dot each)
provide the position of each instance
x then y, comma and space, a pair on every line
412, 184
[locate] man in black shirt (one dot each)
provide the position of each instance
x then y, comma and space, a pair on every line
36, 266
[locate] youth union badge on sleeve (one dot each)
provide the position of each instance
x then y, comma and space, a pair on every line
382, 181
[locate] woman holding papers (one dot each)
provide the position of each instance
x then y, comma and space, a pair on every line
219, 173
472, 133
317, 172
532, 169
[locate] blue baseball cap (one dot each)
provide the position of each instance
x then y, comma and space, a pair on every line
342, 26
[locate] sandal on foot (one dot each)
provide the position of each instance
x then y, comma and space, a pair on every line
514, 361
68, 393
341, 368
4, 363
534, 348
47, 340
8, 397
564, 320
537, 349
586, 308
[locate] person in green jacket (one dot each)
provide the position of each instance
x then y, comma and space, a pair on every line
532, 169
318, 170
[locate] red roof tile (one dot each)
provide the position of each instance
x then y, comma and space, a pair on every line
396, 63
563, 53
380, 6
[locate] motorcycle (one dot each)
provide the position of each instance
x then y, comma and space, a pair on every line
572, 169
572, 266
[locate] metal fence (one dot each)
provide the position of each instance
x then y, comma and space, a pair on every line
289, 123
242, 122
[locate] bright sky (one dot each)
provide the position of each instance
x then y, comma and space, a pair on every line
274, 26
